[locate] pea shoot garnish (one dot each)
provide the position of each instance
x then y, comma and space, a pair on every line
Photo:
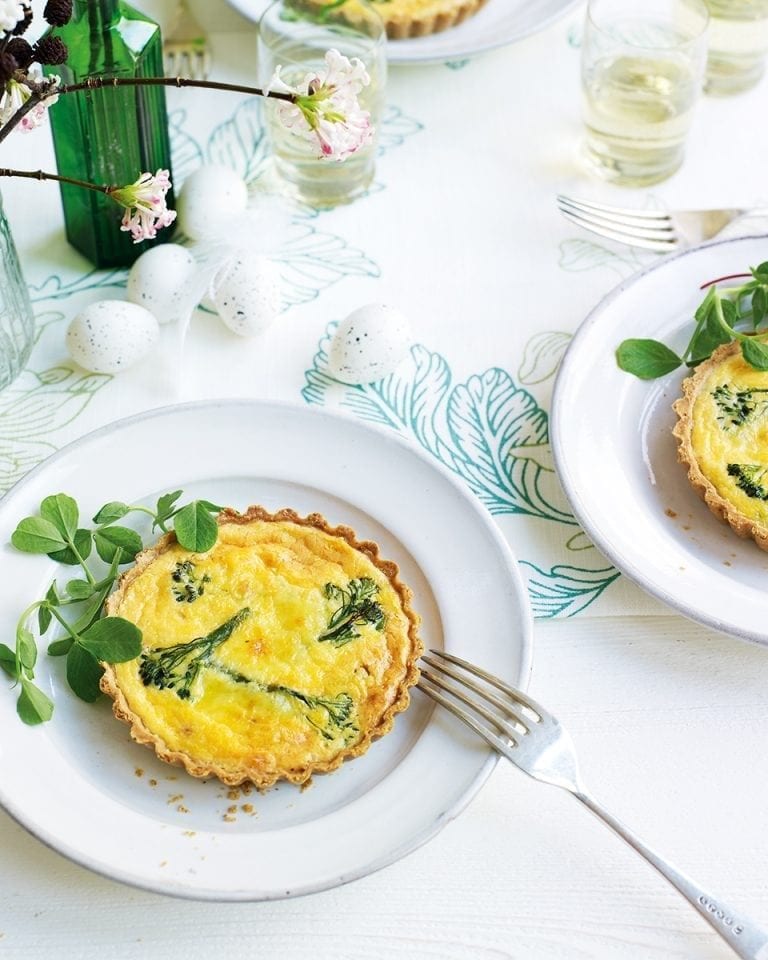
722, 317
89, 638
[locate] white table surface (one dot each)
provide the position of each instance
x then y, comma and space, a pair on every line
668, 718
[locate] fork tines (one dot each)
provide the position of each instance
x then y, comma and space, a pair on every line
512, 714
649, 229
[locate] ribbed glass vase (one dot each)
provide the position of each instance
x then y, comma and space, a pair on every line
17, 322
108, 136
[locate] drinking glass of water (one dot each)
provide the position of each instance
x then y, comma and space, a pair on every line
295, 35
738, 44
642, 71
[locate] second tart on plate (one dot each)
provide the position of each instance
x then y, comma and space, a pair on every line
722, 435
279, 653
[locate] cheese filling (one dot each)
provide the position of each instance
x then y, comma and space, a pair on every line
278, 648
730, 435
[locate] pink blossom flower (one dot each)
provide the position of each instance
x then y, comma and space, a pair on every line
11, 13
145, 208
326, 110
16, 95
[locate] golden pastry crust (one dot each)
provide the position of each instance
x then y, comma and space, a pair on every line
414, 18
719, 501
262, 770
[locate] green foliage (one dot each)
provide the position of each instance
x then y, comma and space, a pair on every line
196, 527
646, 359
89, 639
716, 321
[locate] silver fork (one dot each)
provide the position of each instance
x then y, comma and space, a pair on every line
185, 49
651, 229
531, 738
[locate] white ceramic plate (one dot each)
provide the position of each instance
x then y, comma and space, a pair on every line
616, 457
497, 24
75, 782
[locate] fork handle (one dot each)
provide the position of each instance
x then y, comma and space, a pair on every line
745, 938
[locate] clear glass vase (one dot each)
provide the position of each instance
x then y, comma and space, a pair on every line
17, 322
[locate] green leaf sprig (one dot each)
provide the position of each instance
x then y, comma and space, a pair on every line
716, 319
88, 638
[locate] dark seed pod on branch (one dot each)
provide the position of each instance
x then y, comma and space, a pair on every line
20, 50
25, 21
51, 51
58, 12
8, 67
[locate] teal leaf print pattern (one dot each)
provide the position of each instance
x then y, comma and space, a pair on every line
542, 356
186, 154
564, 591
36, 406
496, 428
55, 288
240, 142
395, 126
577, 255
488, 431
310, 261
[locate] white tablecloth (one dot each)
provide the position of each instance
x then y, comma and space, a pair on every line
462, 234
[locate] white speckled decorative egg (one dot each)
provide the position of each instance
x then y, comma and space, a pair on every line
210, 197
247, 294
110, 335
159, 281
369, 345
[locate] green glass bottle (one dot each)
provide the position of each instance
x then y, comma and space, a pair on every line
108, 136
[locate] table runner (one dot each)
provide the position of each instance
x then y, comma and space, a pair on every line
459, 231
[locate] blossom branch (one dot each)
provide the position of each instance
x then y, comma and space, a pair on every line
42, 93
143, 202
42, 175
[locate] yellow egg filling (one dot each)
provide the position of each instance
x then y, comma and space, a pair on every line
729, 435
280, 649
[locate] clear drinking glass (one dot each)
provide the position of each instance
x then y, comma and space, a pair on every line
17, 322
642, 71
296, 34
738, 44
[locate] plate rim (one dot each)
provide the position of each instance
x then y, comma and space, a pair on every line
424, 59
448, 814
570, 358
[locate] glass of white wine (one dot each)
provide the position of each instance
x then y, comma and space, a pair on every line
642, 71
738, 45
295, 35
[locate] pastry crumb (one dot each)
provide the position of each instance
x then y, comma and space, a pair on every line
163, 863
182, 809
138, 772
152, 782
249, 809
174, 798
670, 513
228, 818
189, 833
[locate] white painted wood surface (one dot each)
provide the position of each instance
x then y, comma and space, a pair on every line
670, 724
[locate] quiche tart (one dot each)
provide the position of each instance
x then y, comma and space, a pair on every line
407, 18
722, 435
279, 653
